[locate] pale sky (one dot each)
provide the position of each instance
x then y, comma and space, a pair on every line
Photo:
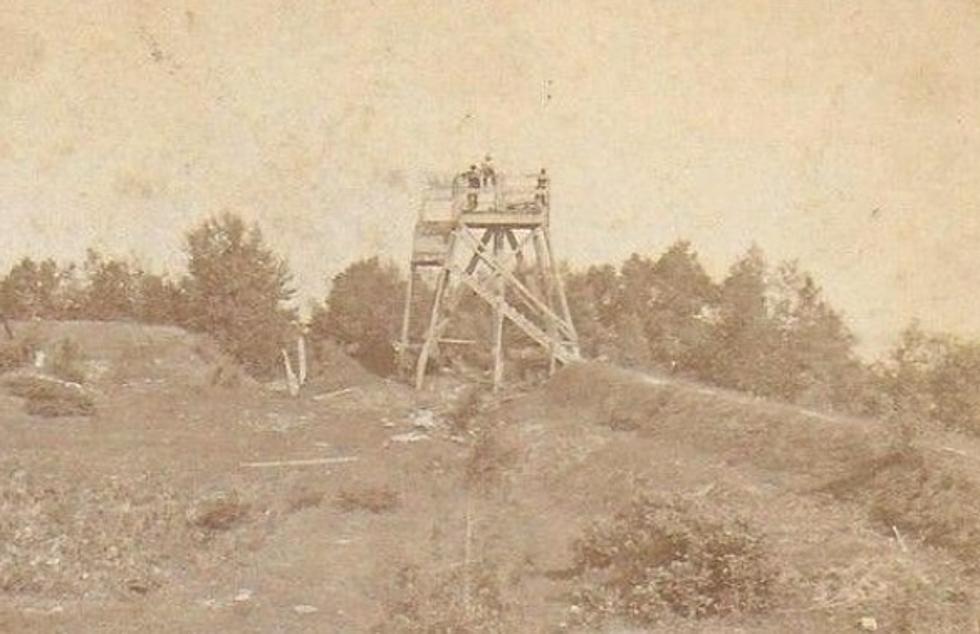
846, 135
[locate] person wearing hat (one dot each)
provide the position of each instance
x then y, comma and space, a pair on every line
487, 172
541, 194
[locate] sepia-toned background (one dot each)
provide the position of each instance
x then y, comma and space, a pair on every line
844, 134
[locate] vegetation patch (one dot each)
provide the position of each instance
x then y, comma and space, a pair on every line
50, 397
371, 498
494, 455
658, 559
461, 599
920, 496
218, 510
85, 536
13, 354
67, 362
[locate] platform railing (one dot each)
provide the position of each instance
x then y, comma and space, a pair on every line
520, 194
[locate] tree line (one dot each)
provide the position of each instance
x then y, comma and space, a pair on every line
764, 328
235, 288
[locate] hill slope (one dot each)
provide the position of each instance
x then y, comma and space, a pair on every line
183, 505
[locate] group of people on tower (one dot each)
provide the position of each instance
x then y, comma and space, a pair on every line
485, 176
474, 179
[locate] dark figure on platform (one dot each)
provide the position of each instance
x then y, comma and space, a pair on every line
473, 187
541, 192
487, 171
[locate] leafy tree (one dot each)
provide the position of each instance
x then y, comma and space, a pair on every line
636, 289
817, 349
953, 384
934, 377
678, 323
745, 340
911, 366
633, 348
237, 290
590, 299
160, 300
112, 289
655, 312
363, 311
33, 290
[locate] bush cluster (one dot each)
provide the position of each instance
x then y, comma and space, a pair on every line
657, 559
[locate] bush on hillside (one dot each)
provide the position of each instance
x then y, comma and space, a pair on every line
13, 354
50, 397
66, 362
657, 559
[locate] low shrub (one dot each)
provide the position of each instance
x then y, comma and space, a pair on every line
217, 510
658, 559
50, 397
13, 354
67, 362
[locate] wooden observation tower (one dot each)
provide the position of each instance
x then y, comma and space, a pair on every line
490, 241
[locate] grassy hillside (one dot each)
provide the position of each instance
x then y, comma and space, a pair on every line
604, 500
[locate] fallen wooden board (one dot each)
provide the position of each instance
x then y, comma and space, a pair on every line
299, 463
326, 395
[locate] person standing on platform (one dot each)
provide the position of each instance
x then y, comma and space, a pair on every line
473, 187
487, 172
541, 192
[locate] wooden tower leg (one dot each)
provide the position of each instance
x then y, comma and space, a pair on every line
547, 288
403, 351
560, 286
498, 320
423, 360
434, 319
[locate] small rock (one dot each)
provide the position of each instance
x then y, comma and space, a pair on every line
424, 419
243, 595
305, 609
869, 624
